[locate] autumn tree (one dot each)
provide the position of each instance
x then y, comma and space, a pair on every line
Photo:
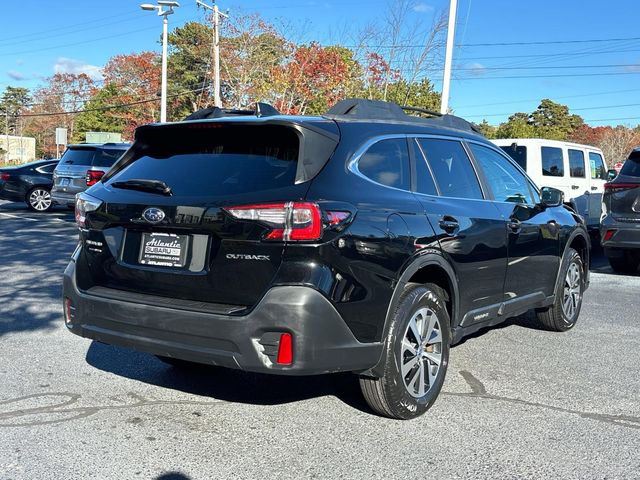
132, 80
56, 104
101, 116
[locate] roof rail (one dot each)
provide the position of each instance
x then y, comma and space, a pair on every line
364, 109
261, 110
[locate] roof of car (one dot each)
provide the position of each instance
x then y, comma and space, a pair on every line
541, 141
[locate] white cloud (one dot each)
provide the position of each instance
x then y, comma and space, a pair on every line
422, 7
70, 65
477, 68
16, 75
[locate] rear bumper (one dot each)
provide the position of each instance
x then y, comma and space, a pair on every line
322, 343
62, 198
626, 236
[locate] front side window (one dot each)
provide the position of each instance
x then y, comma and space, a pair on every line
576, 163
598, 170
506, 181
552, 162
451, 168
387, 162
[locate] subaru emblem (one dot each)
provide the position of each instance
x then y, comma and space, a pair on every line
153, 215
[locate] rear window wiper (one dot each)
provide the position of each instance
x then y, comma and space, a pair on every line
151, 186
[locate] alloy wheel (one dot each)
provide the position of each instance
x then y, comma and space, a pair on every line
572, 295
40, 199
421, 352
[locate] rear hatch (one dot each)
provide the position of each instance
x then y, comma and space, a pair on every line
166, 226
622, 195
70, 175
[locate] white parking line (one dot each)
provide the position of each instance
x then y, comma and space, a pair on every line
18, 217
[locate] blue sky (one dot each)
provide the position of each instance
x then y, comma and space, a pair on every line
550, 38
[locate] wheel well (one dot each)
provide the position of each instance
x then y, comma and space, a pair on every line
579, 244
437, 275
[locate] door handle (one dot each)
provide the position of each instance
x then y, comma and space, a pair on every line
449, 224
515, 226
594, 188
575, 187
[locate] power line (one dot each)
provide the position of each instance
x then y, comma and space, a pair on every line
571, 109
548, 76
550, 42
554, 67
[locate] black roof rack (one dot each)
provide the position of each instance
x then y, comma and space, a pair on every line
261, 110
364, 109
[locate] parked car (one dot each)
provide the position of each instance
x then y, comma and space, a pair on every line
620, 226
578, 170
80, 167
364, 240
30, 183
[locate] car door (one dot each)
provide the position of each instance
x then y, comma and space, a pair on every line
470, 231
553, 169
533, 231
598, 173
579, 181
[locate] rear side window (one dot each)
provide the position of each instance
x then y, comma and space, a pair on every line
451, 168
47, 168
78, 156
518, 153
598, 170
216, 161
576, 163
552, 162
631, 166
106, 157
424, 180
387, 162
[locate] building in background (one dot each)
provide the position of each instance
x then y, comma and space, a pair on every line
17, 149
103, 137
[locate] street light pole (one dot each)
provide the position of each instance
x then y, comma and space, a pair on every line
448, 56
165, 23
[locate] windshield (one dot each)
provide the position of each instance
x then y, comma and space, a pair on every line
631, 166
78, 156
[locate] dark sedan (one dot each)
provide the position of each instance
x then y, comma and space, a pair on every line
30, 183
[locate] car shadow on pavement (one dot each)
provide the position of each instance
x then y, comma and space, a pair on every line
225, 384
34, 254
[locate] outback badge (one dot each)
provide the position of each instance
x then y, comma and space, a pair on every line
153, 215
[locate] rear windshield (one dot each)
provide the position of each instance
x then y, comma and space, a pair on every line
631, 166
221, 160
100, 157
77, 156
519, 154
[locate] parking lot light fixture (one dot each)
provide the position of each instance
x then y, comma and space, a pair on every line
164, 9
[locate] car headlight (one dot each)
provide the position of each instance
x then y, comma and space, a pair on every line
85, 204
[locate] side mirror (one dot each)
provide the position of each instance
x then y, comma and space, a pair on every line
551, 197
611, 174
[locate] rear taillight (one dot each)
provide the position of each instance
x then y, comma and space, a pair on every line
93, 177
607, 236
619, 187
5, 176
298, 221
85, 204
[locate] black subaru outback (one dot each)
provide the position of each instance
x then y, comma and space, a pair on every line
364, 240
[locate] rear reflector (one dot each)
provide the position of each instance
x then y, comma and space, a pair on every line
285, 350
93, 177
608, 235
5, 176
69, 311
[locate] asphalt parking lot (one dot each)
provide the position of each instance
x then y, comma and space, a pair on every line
518, 402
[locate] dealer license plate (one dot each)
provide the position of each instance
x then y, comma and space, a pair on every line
163, 249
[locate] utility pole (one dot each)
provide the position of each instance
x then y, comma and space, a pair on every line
451, 29
216, 48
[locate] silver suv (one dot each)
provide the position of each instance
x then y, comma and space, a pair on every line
80, 167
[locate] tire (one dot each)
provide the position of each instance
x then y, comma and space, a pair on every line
38, 199
626, 263
421, 308
564, 313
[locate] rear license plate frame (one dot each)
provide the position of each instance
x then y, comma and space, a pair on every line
159, 249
